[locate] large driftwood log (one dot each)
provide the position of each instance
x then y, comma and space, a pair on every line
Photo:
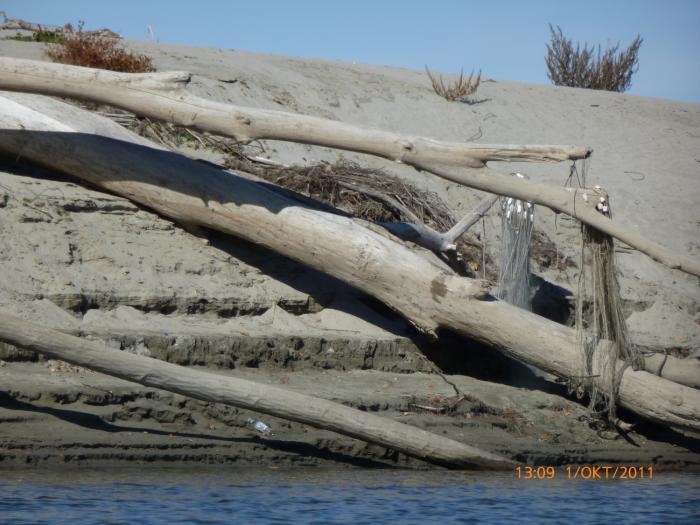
163, 96
100, 152
279, 402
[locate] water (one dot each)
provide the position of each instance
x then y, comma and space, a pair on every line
230, 495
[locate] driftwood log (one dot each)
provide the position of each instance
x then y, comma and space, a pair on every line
19, 24
163, 96
100, 152
279, 402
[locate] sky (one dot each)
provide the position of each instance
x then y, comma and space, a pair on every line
504, 38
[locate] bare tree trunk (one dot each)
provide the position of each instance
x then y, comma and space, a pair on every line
92, 148
162, 96
279, 402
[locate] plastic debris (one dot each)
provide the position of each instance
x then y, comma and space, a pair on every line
261, 427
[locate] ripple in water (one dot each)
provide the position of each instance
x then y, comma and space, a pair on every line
230, 495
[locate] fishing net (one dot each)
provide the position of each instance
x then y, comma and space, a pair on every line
517, 219
600, 322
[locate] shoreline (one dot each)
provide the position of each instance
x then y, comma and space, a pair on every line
85, 419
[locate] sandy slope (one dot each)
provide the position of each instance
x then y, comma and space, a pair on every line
99, 264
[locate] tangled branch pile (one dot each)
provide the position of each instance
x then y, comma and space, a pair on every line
583, 67
370, 194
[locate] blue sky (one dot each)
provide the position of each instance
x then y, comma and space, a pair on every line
504, 38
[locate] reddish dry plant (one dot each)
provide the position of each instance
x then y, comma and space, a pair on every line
80, 48
457, 91
571, 66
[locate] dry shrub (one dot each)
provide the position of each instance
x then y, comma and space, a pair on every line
81, 48
585, 68
460, 90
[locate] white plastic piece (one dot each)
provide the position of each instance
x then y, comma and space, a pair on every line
261, 427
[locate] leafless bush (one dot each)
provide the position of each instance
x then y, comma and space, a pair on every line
90, 49
457, 91
578, 66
